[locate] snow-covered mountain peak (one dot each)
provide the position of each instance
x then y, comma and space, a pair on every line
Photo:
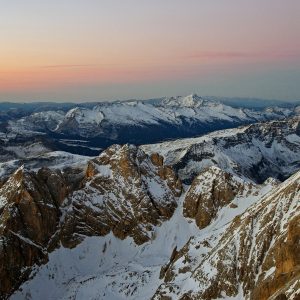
84, 115
160, 119
190, 101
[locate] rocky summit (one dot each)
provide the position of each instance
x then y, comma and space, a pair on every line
124, 191
254, 256
213, 217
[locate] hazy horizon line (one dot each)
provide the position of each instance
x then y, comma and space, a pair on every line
225, 98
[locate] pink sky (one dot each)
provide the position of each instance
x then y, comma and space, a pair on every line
71, 50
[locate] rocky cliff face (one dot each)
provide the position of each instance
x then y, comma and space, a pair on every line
256, 256
211, 190
125, 191
29, 216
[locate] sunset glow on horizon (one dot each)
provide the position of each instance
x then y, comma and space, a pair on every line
76, 50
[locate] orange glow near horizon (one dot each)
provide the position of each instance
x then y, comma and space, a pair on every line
26, 77
65, 44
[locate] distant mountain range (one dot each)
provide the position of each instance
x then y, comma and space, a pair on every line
89, 127
241, 102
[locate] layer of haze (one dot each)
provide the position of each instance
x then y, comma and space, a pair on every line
79, 50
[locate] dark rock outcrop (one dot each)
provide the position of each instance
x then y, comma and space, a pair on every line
29, 217
211, 190
255, 257
126, 192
